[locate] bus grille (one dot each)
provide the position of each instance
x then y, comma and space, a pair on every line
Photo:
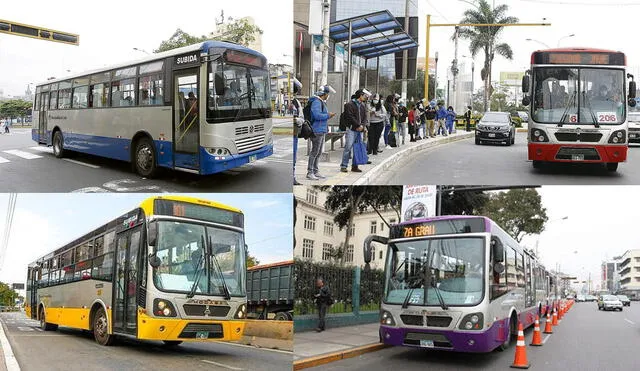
432, 321
198, 310
581, 137
249, 144
440, 341
566, 153
249, 129
412, 320
190, 331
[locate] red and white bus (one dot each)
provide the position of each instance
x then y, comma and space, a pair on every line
578, 111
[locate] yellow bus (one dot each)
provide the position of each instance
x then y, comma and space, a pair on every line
172, 269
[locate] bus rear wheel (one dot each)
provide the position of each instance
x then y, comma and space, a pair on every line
172, 343
101, 328
58, 144
145, 158
44, 324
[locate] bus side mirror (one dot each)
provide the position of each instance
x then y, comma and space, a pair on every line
525, 84
154, 261
497, 249
498, 268
632, 102
526, 101
632, 89
367, 251
152, 236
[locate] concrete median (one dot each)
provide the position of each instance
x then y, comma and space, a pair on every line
268, 334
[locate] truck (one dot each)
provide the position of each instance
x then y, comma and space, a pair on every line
270, 291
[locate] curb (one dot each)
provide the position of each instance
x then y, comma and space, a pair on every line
336, 356
397, 157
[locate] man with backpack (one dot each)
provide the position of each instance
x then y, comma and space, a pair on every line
323, 301
317, 114
355, 121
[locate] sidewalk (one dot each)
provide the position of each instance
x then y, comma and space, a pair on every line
311, 348
370, 173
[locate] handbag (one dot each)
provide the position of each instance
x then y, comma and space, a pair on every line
359, 152
306, 131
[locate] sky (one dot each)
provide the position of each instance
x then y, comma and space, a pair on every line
600, 224
607, 26
109, 32
45, 222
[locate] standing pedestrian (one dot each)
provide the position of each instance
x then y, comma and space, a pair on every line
467, 118
403, 114
377, 118
297, 123
412, 123
388, 105
441, 116
430, 115
323, 300
319, 117
450, 118
356, 118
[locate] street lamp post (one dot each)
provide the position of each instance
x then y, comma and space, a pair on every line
564, 37
142, 50
539, 42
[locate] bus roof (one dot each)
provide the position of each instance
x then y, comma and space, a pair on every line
202, 46
145, 205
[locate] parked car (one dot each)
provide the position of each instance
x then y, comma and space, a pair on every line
570, 297
634, 127
590, 298
581, 298
625, 300
609, 302
496, 127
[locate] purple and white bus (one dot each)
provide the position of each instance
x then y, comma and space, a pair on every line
458, 283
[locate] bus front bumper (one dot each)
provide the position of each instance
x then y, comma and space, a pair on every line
577, 152
452, 340
150, 328
216, 164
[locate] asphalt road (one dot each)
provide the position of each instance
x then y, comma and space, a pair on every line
68, 349
586, 339
464, 162
26, 167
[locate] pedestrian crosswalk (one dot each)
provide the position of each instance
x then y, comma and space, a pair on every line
11, 155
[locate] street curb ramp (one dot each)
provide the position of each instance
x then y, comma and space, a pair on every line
336, 356
268, 334
375, 172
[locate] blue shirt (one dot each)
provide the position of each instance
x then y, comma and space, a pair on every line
319, 115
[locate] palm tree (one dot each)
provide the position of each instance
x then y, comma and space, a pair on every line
486, 38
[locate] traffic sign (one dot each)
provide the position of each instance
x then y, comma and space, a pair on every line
35, 32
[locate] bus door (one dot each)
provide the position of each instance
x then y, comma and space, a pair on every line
529, 292
126, 285
42, 118
186, 122
33, 299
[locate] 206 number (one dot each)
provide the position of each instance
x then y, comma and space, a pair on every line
607, 118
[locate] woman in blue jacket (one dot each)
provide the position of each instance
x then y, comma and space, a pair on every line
451, 116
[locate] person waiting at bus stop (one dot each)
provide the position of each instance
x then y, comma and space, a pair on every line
322, 299
356, 116
319, 116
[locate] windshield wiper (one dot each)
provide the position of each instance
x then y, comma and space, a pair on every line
440, 299
227, 293
566, 109
405, 303
588, 105
198, 272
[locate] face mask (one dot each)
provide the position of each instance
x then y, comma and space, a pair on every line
375, 101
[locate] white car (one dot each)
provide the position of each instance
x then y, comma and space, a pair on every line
633, 118
609, 302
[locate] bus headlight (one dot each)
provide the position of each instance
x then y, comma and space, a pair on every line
163, 308
538, 135
386, 318
219, 151
472, 321
618, 136
241, 313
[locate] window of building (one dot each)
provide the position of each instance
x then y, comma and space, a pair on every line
307, 248
310, 223
328, 228
374, 227
348, 255
381, 252
352, 230
326, 251
312, 196
151, 91
381, 226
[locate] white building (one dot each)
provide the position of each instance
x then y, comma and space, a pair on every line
316, 234
630, 273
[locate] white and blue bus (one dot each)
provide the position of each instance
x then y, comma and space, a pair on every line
458, 283
203, 108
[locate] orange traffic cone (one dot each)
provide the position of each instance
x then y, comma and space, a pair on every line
520, 360
548, 328
560, 312
555, 317
537, 336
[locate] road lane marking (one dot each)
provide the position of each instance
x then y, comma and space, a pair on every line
42, 149
10, 360
24, 328
23, 154
3, 160
221, 365
82, 163
631, 322
545, 339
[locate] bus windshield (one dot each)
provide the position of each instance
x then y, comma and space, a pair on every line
237, 92
451, 269
180, 250
590, 96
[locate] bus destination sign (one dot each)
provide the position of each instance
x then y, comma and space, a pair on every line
419, 230
579, 58
428, 228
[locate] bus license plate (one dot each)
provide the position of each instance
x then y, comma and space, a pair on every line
202, 335
253, 158
426, 343
579, 157
492, 135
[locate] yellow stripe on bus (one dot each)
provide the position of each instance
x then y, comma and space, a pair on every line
147, 205
69, 317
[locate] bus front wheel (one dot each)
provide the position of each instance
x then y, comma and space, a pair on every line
145, 158
58, 144
101, 328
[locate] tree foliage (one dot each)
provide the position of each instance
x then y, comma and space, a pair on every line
238, 31
486, 39
15, 108
251, 260
460, 202
518, 211
7, 295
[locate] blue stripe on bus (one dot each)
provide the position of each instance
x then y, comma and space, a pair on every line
211, 166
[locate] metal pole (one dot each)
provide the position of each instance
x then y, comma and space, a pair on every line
312, 79
435, 80
365, 72
300, 52
439, 204
472, 82
426, 61
405, 54
325, 41
454, 71
289, 87
377, 74
349, 64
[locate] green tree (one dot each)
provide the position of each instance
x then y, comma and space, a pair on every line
462, 202
485, 39
499, 101
251, 260
7, 295
15, 108
517, 211
177, 40
347, 201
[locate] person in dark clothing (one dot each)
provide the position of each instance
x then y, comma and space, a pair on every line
377, 117
356, 118
467, 118
322, 301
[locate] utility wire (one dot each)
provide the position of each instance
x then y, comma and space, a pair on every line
7, 227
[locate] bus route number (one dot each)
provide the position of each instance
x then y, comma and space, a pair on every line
420, 230
607, 117
178, 210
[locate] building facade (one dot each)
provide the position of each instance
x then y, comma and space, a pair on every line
317, 237
611, 275
630, 274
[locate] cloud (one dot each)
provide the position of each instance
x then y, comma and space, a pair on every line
261, 204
